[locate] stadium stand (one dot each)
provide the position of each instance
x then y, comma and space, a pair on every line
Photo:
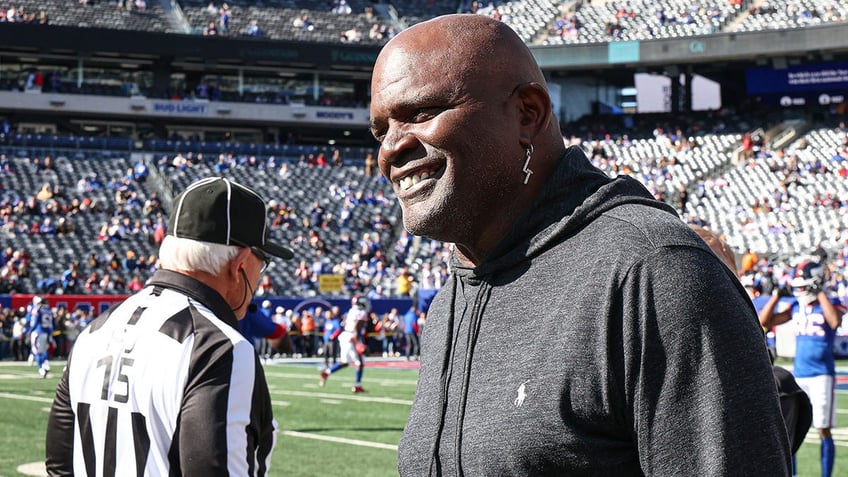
788, 196
778, 203
667, 162
325, 211
411, 13
783, 202
549, 22
641, 20
290, 20
88, 198
88, 14
795, 14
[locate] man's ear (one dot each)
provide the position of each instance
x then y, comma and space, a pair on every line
535, 110
237, 263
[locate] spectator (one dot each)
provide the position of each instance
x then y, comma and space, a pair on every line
210, 30
307, 331
370, 165
410, 334
254, 30
266, 286
135, 284
332, 322
224, 18
341, 7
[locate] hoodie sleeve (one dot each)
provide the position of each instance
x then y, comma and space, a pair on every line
697, 374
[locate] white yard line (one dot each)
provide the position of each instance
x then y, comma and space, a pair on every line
816, 440
334, 397
22, 397
840, 436
314, 377
341, 440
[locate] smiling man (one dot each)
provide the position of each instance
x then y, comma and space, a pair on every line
585, 330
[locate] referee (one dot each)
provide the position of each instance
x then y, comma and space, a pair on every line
164, 383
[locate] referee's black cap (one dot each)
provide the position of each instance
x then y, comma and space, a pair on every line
219, 210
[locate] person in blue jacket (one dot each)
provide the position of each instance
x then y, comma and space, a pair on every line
257, 324
410, 333
332, 328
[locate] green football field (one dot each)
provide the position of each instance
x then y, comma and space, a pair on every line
323, 431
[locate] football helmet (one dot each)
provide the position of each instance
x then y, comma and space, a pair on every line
807, 281
361, 302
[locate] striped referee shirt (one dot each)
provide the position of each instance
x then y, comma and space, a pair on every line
162, 384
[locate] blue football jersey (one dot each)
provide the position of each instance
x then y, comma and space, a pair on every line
41, 320
813, 341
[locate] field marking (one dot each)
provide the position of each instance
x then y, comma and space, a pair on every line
383, 400
35, 469
840, 436
17, 376
816, 440
314, 377
329, 396
26, 398
341, 440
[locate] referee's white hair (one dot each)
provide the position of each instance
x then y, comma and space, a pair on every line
192, 255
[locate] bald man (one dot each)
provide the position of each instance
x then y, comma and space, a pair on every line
585, 329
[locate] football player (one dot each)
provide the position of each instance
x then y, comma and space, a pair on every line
351, 346
815, 318
40, 326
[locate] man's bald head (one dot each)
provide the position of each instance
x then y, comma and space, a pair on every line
470, 46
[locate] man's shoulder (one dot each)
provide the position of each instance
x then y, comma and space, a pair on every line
634, 231
646, 226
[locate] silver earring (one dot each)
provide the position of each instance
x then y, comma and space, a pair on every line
527, 153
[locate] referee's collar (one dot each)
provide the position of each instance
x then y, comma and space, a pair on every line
197, 290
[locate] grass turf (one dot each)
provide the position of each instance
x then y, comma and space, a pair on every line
323, 431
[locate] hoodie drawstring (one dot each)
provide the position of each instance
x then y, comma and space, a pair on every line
480, 301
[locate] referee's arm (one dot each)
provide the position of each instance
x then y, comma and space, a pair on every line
217, 431
60, 431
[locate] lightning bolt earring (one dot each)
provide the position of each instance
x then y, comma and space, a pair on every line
527, 154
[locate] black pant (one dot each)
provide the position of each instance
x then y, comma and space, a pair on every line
412, 344
330, 352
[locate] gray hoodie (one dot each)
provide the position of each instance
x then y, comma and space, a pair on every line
602, 337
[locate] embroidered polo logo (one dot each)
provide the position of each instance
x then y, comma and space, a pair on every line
522, 394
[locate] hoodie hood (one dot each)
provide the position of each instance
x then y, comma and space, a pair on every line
575, 195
